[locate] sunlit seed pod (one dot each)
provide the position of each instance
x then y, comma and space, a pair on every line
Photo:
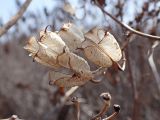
97, 57
32, 46
41, 53
75, 63
65, 80
46, 56
95, 54
72, 36
95, 34
101, 48
51, 51
53, 41
46, 50
110, 45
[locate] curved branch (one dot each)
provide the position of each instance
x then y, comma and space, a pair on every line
15, 18
128, 27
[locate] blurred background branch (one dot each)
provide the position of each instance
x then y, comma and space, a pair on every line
152, 37
15, 18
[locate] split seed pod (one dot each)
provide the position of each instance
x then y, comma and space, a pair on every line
72, 36
47, 49
78, 65
101, 48
51, 51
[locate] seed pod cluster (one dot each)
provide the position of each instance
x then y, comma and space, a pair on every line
57, 50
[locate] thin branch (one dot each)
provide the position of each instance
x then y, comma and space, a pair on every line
128, 27
69, 93
113, 116
15, 18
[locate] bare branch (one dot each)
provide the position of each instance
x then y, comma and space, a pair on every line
128, 27
15, 18
112, 117
69, 93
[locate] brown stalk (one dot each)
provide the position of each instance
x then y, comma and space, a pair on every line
77, 106
112, 117
15, 18
107, 99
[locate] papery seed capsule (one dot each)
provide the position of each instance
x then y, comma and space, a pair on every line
101, 48
72, 36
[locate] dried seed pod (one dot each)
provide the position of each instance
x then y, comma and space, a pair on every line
32, 46
52, 51
101, 48
47, 49
111, 47
46, 56
95, 34
53, 41
65, 80
72, 36
96, 55
75, 63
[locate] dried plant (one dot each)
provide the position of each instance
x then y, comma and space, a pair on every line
56, 49
106, 105
75, 57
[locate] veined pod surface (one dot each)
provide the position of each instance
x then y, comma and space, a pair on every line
76, 63
53, 41
65, 80
46, 50
101, 48
72, 36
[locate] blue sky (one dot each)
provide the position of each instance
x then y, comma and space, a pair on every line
8, 7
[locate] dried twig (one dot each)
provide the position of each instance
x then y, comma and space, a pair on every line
128, 27
15, 18
116, 109
107, 100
